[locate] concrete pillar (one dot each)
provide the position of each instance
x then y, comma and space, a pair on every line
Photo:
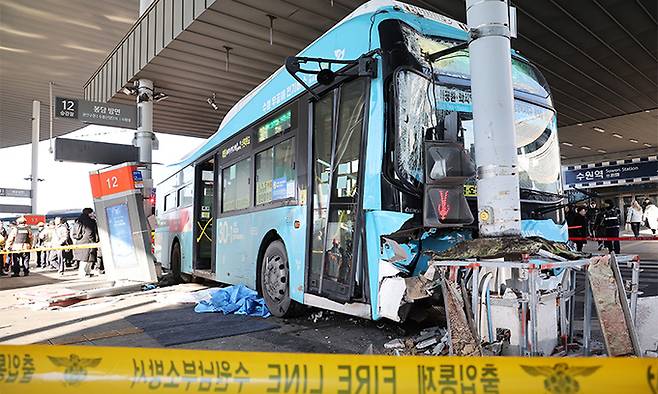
34, 177
144, 135
493, 118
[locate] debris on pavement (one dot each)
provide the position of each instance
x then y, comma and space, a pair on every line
647, 325
508, 247
237, 299
184, 297
396, 343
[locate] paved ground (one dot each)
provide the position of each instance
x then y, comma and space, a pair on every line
107, 322
111, 321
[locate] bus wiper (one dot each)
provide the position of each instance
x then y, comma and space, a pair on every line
364, 66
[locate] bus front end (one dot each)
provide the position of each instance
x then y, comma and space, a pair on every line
423, 101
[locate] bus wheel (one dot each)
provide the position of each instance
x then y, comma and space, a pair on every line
274, 279
175, 261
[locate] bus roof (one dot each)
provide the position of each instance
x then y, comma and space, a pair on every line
280, 87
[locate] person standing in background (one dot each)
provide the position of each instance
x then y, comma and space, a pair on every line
611, 222
650, 216
85, 231
63, 238
592, 216
49, 257
3, 240
20, 240
581, 227
38, 243
634, 217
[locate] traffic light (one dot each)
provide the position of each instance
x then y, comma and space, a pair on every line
447, 167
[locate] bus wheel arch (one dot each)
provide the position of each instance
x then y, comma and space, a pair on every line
273, 266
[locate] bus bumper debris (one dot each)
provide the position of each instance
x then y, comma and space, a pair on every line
511, 296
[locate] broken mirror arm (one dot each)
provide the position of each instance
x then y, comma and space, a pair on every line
364, 66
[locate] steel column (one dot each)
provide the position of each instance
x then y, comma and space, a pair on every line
493, 118
34, 177
144, 135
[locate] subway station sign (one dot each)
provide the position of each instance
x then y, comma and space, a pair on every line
94, 112
591, 174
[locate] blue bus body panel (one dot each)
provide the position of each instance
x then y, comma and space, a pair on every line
379, 223
187, 243
546, 229
239, 238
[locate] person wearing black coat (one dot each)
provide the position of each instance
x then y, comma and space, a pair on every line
85, 231
581, 227
612, 222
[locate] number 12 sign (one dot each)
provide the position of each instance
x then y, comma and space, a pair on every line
113, 180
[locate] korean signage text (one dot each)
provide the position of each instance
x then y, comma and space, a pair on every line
642, 169
106, 114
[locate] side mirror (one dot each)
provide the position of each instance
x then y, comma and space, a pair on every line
452, 127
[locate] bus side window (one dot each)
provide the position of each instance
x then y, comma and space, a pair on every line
275, 173
170, 201
235, 190
185, 196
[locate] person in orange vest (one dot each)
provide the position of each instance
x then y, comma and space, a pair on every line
20, 239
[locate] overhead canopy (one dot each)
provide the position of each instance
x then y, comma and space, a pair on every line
599, 56
59, 41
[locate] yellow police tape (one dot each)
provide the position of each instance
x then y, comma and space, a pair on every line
90, 369
52, 248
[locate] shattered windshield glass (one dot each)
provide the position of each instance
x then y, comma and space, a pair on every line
457, 65
536, 131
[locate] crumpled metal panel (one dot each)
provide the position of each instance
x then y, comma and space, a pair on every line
608, 304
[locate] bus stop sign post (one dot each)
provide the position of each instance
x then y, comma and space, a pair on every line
122, 226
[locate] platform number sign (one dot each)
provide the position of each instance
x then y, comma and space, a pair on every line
66, 107
112, 182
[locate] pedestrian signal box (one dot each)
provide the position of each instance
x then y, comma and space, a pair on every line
447, 167
122, 226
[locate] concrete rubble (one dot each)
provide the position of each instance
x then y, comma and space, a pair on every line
617, 330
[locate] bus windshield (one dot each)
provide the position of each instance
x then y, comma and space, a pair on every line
421, 105
457, 65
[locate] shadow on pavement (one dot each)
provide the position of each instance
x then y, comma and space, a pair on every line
34, 279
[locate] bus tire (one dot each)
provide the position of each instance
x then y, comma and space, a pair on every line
274, 281
175, 261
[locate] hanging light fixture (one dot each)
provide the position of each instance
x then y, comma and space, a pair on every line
272, 18
228, 59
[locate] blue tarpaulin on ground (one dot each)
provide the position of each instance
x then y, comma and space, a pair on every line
238, 299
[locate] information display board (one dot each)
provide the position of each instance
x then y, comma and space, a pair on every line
121, 242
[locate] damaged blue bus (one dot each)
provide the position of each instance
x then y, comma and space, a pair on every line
311, 190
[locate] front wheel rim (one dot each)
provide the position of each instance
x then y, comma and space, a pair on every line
276, 278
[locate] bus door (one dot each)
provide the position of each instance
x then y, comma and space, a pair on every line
335, 223
203, 214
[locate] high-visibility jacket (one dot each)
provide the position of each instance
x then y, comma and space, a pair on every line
20, 238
